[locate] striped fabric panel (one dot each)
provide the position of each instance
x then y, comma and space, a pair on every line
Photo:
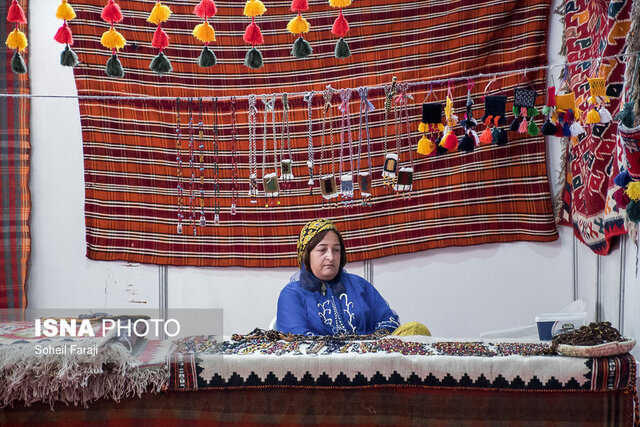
14, 175
495, 194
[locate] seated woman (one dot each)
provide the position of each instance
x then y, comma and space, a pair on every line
323, 299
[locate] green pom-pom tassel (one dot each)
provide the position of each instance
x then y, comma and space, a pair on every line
626, 116
342, 49
114, 67
532, 112
546, 109
68, 57
253, 59
161, 64
533, 129
495, 135
301, 48
207, 58
515, 110
633, 211
17, 64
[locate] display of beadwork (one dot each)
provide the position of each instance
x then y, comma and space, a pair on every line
203, 219
179, 186
216, 167
308, 98
286, 161
253, 163
270, 184
234, 157
404, 179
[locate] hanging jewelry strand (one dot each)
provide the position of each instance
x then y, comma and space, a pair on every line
308, 98
327, 182
234, 157
253, 165
390, 159
286, 163
270, 180
203, 220
179, 168
346, 179
404, 181
364, 178
216, 167
192, 169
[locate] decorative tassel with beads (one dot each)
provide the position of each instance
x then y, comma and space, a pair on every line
159, 14
299, 26
494, 115
598, 99
68, 57
449, 140
112, 39
204, 32
17, 39
549, 127
341, 28
524, 106
430, 125
252, 35
470, 139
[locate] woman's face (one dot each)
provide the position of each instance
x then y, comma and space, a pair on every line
325, 257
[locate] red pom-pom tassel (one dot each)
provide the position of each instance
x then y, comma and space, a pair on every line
299, 5
205, 9
16, 14
111, 12
160, 39
551, 96
340, 26
63, 35
252, 35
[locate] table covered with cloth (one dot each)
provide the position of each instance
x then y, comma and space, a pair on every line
387, 381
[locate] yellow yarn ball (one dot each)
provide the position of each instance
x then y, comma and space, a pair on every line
16, 40
112, 39
160, 13
65, 11
204, 32
298, 25
254, 8
339, 3
633, 190
425, 146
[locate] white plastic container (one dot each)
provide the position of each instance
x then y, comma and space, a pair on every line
552, 324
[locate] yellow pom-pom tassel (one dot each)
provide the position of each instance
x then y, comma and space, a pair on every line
422, 128
112, 39
339, 3
298, 25
440, 127
593, 116
16, 40
633, 190
65, 11
160, 13
426, 146
204, 32
254, 8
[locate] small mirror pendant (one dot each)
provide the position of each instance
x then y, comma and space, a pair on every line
364, 182
253, 188
271, 189
286, 174
405, 180
346, 188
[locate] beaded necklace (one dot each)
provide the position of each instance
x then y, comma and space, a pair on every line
286, 163
270, 180
216, 169
192, 169
390, 165
327, 182
253, 164
179, 168
308, 98
364, 178
234, 157
404, 179
203, 219
346, 179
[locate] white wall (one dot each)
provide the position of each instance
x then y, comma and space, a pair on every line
455, 291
